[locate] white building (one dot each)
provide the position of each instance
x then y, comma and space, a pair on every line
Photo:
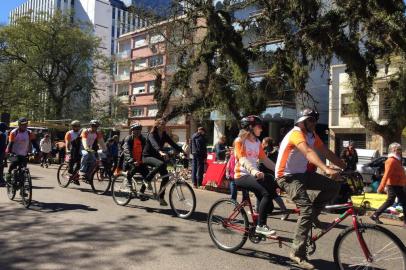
110, 19
344, 124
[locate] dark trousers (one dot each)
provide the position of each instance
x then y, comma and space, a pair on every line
197, 170
74, 160
132, 170
114, 161
393, 192
20, 160
296, 186
262, 190
44, 157
61, 155
2, 163
159, 166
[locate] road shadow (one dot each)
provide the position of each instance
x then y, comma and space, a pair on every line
38, 187
90, 190
59, 207
270, 257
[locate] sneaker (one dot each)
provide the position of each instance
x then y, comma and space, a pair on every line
376, 219
301, 261
285, 215
264, 230
162, 202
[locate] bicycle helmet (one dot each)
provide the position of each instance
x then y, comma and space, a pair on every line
95, 123
250, 122
75, 123
136, 126
307, 113
22, 121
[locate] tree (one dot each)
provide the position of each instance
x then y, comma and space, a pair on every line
361, 34
56, 60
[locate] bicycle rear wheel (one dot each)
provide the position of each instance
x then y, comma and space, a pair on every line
228, 227
26, 190
101, 181
386, 249
182, 199
120, 190
63, 175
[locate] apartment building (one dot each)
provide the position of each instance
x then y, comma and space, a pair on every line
141, 56
344, 123
110, 19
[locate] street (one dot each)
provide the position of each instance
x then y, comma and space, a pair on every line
74, 228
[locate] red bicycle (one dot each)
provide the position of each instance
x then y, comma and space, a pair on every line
360, 246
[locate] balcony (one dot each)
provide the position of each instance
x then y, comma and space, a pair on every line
124, 99
124, 55
122, 77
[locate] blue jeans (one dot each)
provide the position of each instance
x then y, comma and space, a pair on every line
197, 170
234, 191
88, 161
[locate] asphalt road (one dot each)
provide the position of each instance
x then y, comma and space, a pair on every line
75, 229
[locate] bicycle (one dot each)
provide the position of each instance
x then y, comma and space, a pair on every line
377, 246
99, 178
21, 180
182, 198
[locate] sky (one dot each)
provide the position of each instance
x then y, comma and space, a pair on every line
6, 6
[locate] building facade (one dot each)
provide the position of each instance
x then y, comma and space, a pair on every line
141, 56
110, 19
344, 124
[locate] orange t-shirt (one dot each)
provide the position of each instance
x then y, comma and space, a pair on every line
137, 150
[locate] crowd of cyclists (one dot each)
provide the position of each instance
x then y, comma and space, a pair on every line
294, 170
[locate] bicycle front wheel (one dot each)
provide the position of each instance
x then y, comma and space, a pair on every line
11, 191
182, 199
386, 249
26, 190
228, 226
63, 175
101, 181
120, 190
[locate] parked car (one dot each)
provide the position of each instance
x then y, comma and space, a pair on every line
370, 168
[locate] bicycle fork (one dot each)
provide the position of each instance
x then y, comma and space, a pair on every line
361, 240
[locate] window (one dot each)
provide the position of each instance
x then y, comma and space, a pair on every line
152, 111
151, 87
140, 41
347, 108
156, 38
137, 112
138, 88
140, 64
384, 103
156, 60
114, 13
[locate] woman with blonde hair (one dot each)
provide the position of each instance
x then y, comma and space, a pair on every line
248, 151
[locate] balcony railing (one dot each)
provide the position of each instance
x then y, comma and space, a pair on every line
123, 55
122, 77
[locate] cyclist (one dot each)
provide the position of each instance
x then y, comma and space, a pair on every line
21, 140
132, 151
73, 147
91, 140
46, 148
296, 172
248, 151
153, 154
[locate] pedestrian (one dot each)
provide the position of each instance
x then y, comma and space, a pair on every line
221, 149
199, 152
61, 149
230, 177
3, 146
46, 147
393, 182
350, 157
272, 154
186, 149
114, 149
